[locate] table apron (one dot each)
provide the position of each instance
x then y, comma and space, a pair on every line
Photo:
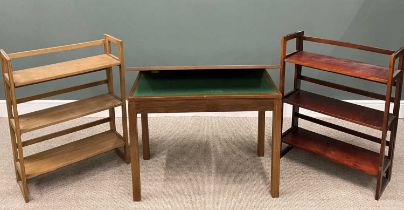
202, 105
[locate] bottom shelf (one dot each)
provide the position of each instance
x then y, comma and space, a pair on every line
334, 150
70, 153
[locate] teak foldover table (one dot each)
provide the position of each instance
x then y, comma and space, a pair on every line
172, 89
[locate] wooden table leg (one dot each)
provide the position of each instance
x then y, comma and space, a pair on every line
276, 148
261, 134
134, 152
145, 137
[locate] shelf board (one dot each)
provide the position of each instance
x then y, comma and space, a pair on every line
58, 114
70, 153
334, 150
340, 66
339, 109
64, 69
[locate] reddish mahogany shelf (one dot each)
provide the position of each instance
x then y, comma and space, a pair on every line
334, 150
340, 109
340, 66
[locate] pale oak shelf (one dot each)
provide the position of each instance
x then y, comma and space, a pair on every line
27, 167
46, 117
61, 70
70, 153
374, 163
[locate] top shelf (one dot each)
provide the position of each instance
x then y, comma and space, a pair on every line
341, 66
64, 69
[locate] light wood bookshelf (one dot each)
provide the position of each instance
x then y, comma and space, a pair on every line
27, 167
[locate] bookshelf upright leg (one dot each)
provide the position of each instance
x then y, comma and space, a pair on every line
297, 82
23, 183
12, 132
110, 79
124, 115
381, 179
396, 112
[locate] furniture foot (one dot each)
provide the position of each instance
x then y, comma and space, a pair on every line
381, 186
122, 154
127, 154
286, 150
24, 189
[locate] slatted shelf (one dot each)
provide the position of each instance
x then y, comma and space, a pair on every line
64, 69
336, 108
70, 153
334, 150
58, 114
340, 66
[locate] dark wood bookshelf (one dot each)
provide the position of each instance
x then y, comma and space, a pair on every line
375, 163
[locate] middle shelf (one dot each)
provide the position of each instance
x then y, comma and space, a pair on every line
54, 115
339, 109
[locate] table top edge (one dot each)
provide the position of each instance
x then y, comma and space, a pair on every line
208, 67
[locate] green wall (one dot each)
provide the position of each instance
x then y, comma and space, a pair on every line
198, 32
